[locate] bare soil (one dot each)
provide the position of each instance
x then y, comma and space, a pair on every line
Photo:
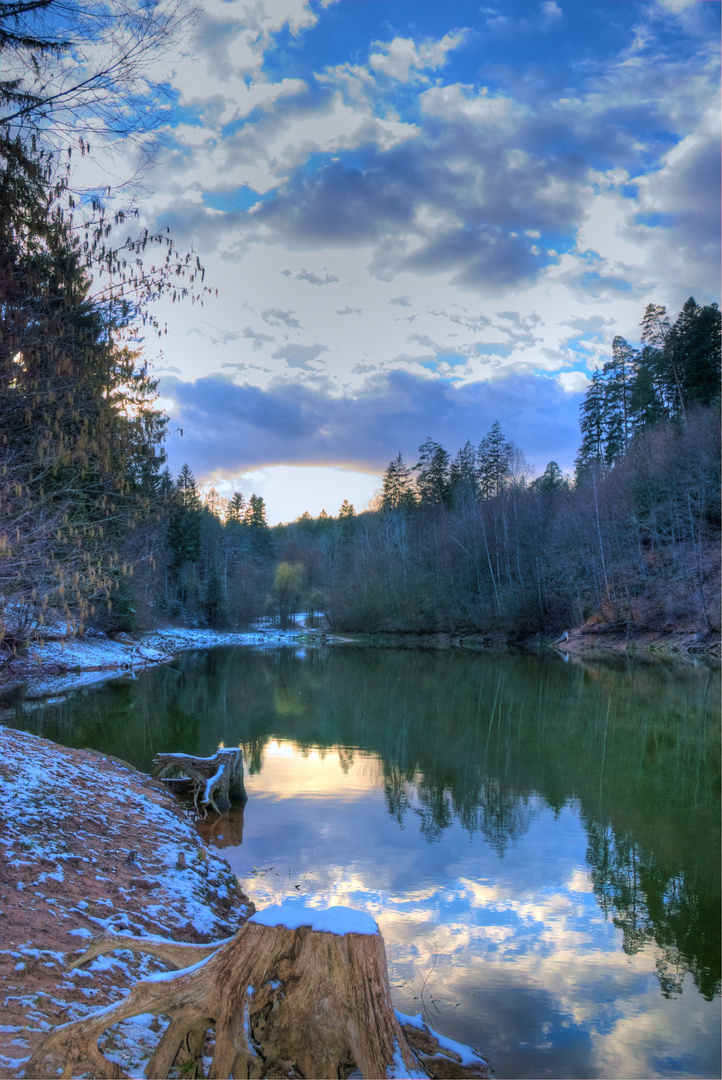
87, 842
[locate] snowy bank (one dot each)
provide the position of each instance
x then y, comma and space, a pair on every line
90, 844
61, 663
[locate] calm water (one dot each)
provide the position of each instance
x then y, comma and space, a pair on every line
538, 841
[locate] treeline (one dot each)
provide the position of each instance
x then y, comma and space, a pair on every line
468, 544
471, 544
95, 534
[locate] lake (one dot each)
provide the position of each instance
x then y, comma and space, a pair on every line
539, 841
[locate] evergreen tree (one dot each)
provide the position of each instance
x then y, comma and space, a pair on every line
397, 492
347, 521
550, 481
494, 461
236, 509
645, 402
618, 374
463, 477
432, 468
692, 353
259, 534
184, 525
680, 364
255, 516
592, 425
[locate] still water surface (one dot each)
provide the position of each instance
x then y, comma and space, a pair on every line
538, 841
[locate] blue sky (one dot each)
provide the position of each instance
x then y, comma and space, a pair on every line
422, 217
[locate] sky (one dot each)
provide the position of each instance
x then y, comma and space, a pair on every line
421, 218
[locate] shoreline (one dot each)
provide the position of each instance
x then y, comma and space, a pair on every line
90, 844
61, 664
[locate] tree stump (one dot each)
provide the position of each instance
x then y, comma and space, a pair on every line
215, 781
296, 992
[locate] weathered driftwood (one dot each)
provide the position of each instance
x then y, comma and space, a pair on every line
214, 782
295, 993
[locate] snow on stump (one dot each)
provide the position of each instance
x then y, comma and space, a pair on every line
215, 782
296, 992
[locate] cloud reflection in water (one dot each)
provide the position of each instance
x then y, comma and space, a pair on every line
508, 951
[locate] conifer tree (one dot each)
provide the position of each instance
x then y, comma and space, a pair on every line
619, 374
592, 425
184, 526
397, 492
236, 509
494, 462
432, 468
463, 476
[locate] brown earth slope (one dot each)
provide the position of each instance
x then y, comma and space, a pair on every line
88, 843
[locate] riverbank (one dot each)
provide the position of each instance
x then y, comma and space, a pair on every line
592, 641
88, 844
63, 663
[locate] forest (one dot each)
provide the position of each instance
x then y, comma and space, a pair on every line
97, 535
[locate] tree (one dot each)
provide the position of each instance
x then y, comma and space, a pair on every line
550, 481
236, 509
494, 462
397, 492
618, 376
85, 67
255, 516
259, 535
432, 468
347, 521
692, 353
463, 476
592, 425
184, 526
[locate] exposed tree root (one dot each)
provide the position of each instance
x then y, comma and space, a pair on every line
216, 781
284, 1002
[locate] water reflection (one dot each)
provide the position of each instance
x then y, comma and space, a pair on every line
539, 842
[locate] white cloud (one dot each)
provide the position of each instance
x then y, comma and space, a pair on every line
404, 60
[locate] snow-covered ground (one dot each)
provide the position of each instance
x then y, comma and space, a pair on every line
87, 845
64, 663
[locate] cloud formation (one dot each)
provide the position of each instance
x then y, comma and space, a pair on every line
236, 428
475, 202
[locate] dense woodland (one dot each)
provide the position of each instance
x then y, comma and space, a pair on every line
96, 535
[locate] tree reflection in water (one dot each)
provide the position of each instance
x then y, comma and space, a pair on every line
477, 740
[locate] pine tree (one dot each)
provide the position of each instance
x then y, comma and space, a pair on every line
550, 481
692, 352
184, 525
592, 425
236, 509
347, 521
259, 534
619, 374
255, 516
432, 468
463, 477
494, 462
397, 492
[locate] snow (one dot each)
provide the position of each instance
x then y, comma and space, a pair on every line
96, 658
54, 819
168, 976
466, 1054
333, 920
400, 1071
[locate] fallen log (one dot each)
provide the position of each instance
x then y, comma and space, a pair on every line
296, 992
215, 782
